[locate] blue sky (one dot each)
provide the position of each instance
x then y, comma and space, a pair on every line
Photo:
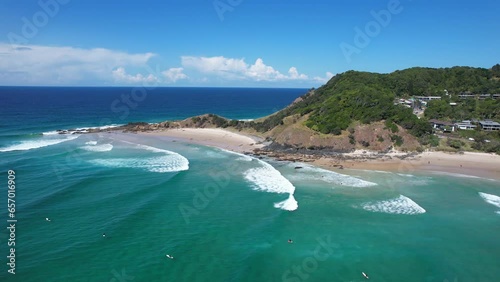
255, 43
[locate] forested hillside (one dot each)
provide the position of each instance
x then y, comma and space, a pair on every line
369, 97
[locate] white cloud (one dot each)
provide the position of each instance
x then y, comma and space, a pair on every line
121, 75
214, 64
230, 68
293, 73
325, 79
48, 65
174, 74
260, 71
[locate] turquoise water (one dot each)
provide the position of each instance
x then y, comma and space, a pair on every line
220, 224
223, 216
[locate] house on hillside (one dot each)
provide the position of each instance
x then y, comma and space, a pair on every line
466, 95
465, 125
444, 126
489, 125
427, 98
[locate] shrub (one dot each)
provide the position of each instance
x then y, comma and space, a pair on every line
398, 140
457, 144
352, 140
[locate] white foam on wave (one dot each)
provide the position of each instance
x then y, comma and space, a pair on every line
91, 143
241, 157
406, 175
156, 164
309, 172
98, 148
168, 162
289, 204
35, 144
268, 179
456, 174
80, 129
50, 133
400, 205
491, 199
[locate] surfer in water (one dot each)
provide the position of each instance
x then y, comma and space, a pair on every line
103, 234
290, 241
169, 256
366, 276
47, 219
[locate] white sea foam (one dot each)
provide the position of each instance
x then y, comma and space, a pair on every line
308, 172
50, 133
268, 179
289, 204
98, 148
400, 205
81, 129
161, 164
241, 157
456, 174
491, 199
91, 143
245, 158
168, 162
35, 144
406, 175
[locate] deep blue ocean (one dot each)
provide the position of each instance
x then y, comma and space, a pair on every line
111, 206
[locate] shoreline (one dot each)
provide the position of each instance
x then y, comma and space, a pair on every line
481, 165
215, 137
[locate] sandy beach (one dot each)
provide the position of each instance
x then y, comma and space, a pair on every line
215, 137
467, 163
473, 164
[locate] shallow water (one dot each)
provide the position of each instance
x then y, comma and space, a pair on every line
221, 224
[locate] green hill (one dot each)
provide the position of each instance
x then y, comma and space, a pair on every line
366, 98
369, 97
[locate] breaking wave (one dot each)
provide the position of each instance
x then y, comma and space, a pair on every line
268, 179
97, 148
35, 144
491, 199
168, 162
289, 204
400, 205
79, 130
